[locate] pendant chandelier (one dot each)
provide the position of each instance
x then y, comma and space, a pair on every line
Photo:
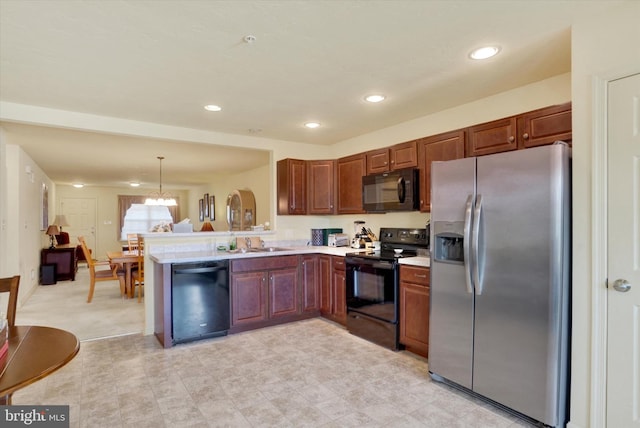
160, 198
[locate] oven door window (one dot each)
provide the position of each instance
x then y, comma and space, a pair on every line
372, 290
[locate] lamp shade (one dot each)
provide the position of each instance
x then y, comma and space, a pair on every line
53, 230
61, 221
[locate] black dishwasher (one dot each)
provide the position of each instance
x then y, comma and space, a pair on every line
199, 300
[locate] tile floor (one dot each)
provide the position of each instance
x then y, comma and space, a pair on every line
310, 373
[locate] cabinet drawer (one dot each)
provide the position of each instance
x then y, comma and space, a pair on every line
338, 263
415, 275
264, 263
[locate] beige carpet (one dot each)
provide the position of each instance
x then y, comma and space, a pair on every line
64, 305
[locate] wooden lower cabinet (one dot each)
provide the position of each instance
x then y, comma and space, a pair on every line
248, 304
324, 274
283, 292
310, 283
272, 290
333, 296
414, 309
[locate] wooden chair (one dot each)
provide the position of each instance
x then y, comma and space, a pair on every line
110, 274
10, 285
137, 276
132, 241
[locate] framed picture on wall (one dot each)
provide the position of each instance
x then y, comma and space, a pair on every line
44, 207
201, 209
212, 208
206, 204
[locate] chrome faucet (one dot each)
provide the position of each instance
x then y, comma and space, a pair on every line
248, 241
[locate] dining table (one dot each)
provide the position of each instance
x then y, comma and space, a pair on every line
127, 258
34, 352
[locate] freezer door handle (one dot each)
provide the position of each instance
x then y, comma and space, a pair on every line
466, 244
475, 244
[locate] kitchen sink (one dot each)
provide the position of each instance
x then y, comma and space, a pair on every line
267, 249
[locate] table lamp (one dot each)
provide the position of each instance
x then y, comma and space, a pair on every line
52, 231
61, 221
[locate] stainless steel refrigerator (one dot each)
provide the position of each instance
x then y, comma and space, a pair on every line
500, 279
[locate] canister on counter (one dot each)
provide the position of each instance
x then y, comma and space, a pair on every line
316, 236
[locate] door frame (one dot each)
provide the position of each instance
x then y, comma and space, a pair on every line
599, 248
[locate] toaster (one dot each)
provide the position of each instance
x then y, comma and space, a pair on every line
338, 240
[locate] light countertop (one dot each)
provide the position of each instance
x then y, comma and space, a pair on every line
214, 254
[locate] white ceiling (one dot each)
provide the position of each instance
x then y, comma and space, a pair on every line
161, 62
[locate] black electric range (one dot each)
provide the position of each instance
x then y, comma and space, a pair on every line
372, 285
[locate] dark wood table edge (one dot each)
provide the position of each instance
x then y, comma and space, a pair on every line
5, 395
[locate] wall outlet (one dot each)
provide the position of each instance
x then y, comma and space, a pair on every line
33, 274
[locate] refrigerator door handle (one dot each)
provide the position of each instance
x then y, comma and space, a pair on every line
466, 243
475, 244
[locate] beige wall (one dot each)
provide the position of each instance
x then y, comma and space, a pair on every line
107, 233
22, 237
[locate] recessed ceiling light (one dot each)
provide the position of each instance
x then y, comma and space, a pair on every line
212, 107
484, 52
374, 98
134, 184
78, 185
312, 125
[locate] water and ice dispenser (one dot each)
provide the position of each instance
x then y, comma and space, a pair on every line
448, 242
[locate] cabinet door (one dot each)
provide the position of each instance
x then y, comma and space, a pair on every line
492, 137
404, 155
248, 298
339, 296
414, 317
414, 308
292, 186
441, 147
310, 283
283, 292
377, 161
350, 171
321, 187
545, 126
324, 271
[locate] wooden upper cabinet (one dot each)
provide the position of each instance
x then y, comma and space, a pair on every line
292, 186
404, 155
442, 147
544, 126
492, 137
377, 161
349, 173
321, 186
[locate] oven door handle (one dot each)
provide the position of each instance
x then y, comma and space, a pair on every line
358, 264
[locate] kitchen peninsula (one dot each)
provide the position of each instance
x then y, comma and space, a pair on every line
282, 282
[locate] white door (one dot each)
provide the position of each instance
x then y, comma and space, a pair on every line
81, 216
623, 247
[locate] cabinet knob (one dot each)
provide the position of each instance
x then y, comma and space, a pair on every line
525, 136
392, 161
512, 139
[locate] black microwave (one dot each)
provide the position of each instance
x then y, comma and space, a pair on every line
391, 191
